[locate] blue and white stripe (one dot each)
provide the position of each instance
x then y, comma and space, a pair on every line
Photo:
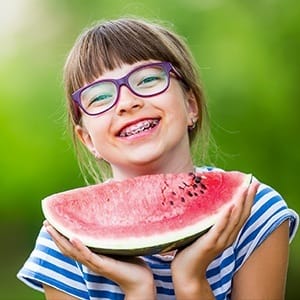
47, 265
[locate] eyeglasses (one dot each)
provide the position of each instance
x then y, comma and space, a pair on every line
144, 81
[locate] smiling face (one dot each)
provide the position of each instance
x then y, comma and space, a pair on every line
142, 135
111, 49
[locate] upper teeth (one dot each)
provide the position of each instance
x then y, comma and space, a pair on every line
136, 128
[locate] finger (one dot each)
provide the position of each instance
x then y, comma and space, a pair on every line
115, 269
244, 210
108, 267
92, 260
242, 207
230, 221
61, 242
252, 191
75, 249
84, 254
236, 212
219, 228
247, 204
53, 232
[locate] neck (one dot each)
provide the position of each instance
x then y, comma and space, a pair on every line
177, 166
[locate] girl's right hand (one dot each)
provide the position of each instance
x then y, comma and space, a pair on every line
132, 274
190, 264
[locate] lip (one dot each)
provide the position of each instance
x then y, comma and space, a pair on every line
132, 123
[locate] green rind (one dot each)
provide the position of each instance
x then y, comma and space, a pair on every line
162, 248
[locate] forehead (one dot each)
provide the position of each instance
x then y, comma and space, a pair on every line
98, 54
122, 70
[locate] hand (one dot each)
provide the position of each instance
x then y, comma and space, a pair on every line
190, 264
131, 273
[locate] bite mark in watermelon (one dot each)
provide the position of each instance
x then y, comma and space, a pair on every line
146, 214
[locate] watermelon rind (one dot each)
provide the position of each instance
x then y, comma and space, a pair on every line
153, 249
136, 246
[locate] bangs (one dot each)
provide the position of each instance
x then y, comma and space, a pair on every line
112, 44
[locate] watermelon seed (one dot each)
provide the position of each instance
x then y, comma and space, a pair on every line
190, 193
171, 202
195, 194
182, 199
163, 188
173, 193
203, 186
197, 179
192, 174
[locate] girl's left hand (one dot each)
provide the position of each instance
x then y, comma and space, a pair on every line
189, 265
132, 274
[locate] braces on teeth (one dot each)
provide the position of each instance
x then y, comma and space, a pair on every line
138, 128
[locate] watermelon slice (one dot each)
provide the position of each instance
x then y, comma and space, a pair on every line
146, 214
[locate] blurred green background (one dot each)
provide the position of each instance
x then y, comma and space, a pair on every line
248, 53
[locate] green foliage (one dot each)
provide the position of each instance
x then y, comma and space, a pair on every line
248, 55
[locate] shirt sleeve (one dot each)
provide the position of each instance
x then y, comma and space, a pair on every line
268, 212
47, 265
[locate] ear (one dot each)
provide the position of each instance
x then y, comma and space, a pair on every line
86, 139
192, 108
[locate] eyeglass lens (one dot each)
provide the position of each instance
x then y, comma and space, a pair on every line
145, 81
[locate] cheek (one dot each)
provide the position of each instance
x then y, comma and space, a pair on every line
178, 107
97, 129
97, 134
177, 99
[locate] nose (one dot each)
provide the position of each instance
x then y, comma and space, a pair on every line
128, 101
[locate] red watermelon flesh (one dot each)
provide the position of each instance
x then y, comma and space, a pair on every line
145, 214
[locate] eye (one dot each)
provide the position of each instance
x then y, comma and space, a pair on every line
150, 80
101, 99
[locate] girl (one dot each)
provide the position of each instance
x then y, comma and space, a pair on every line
136, 104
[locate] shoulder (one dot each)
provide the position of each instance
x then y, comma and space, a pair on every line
269, 211
47, 265
46, 249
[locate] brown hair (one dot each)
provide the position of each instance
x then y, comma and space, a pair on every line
108, 45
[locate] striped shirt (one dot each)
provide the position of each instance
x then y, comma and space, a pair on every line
47, 265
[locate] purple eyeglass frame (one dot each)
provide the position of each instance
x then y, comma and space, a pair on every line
167, 66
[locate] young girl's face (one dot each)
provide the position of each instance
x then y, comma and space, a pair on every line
142, 135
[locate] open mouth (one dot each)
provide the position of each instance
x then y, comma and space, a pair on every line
139, 127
